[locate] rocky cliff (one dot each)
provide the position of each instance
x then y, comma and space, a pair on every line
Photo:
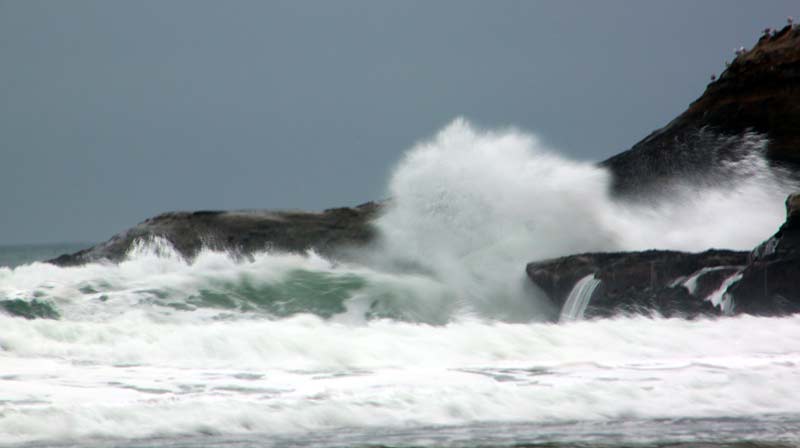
770, 284
753, 106
752, 109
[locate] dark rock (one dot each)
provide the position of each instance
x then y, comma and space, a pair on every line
639, 282
793, 206
753, 107
241, 233
770, 284
765, 282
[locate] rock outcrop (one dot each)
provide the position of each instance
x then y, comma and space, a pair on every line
240, 233
753, 107
764, 282
665, 282
770, 284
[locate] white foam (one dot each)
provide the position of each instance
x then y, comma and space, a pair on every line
139, 378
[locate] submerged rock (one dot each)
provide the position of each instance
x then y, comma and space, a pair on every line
239, 233
763, 282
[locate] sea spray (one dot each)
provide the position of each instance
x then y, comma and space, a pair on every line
472, 207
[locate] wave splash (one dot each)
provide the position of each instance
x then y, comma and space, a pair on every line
431, 326
468, 209
474, 207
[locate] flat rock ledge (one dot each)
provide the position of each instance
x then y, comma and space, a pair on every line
240, 233
763, 282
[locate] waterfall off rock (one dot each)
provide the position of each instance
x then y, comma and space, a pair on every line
578, 299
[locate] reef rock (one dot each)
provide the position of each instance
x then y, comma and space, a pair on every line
240, 233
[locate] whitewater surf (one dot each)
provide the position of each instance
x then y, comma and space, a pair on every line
431, 336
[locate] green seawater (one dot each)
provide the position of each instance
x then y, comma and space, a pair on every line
12, 256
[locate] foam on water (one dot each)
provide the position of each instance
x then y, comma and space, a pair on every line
435, 324
139, 378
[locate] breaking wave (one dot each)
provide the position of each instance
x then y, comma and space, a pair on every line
434, 324
468, 210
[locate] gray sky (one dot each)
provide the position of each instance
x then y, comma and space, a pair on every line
114, 111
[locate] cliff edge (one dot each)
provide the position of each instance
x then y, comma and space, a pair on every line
754, 105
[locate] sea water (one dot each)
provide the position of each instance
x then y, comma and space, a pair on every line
432, 336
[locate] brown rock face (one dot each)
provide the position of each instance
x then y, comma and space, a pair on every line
754, 105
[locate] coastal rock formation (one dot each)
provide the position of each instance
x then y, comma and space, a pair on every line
752, 107
751, 110
770, 284
764, 282
669, 283
240, 232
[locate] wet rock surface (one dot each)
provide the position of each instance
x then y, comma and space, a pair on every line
764, 282
663, 282
770, 283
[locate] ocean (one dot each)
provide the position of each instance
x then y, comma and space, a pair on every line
430, 337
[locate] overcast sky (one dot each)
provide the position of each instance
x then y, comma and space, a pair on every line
114, 111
